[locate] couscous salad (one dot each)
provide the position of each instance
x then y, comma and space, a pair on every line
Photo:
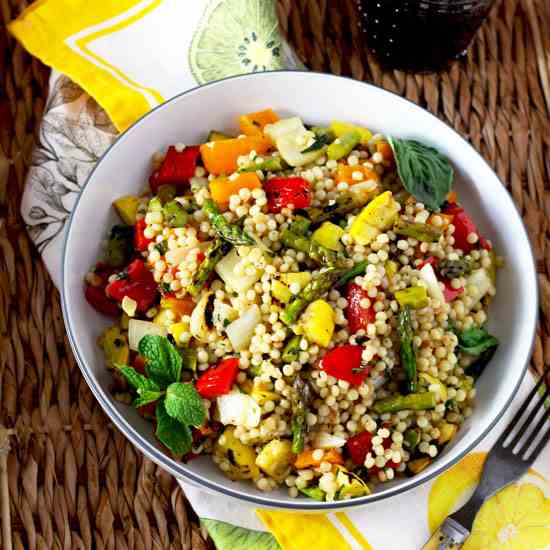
306, 305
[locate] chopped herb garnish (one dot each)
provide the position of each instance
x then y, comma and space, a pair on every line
161, 248
320, 142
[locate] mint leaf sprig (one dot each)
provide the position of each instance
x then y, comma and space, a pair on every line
179, 406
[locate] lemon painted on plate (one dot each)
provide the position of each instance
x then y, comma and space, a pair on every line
236, 37
450, 487
516, 518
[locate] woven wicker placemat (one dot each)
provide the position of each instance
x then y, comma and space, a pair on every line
68, 478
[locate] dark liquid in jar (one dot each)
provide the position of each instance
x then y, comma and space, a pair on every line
417, 35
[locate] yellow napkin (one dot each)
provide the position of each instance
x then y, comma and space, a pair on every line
131, 55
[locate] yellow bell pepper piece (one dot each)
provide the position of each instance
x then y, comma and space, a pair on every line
377, 216
124, 321
318, 323
329, 235
446, 432
416, 466
280, 291
301, 278
126, 208
350, 484
429, 380
176, 330
242, 456
340, 128
391, 268
275, 458
262, 396
164, 318
114, 344
414, 296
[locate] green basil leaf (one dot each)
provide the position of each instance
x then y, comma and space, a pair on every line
424, 171
163, 360
137, 380
172, 434
146, 397
475, 341
184, 403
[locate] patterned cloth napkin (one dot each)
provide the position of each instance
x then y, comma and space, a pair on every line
131, 55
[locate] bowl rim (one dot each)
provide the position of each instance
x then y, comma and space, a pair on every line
179, 469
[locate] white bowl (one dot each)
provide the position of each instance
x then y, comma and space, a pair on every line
317, 98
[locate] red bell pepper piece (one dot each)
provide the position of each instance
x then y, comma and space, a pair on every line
386, 443
147, 411
177, 168
451, 293
464, 225
145, 295
139, 364
104, 271
484, 243
137, 271
344, 363
284, 191
358, 317
139, 285
218, 380
141, 242
359, 446
97, 298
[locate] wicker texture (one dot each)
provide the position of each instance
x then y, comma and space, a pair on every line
72, 480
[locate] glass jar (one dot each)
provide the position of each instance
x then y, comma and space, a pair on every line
420, 35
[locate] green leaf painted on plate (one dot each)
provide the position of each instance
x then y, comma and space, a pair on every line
231, 537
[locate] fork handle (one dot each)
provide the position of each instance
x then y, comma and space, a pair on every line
450, 536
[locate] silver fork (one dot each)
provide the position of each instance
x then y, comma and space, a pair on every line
505, 464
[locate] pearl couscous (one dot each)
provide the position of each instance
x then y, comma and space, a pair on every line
304, 304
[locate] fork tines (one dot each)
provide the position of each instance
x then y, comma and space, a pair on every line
525, 429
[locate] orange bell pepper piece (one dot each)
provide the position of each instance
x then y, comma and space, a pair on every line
305, 458
220, 157
385, 149
180, 306
447, 219
253, 124
452, 197
345, 173
222, 188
